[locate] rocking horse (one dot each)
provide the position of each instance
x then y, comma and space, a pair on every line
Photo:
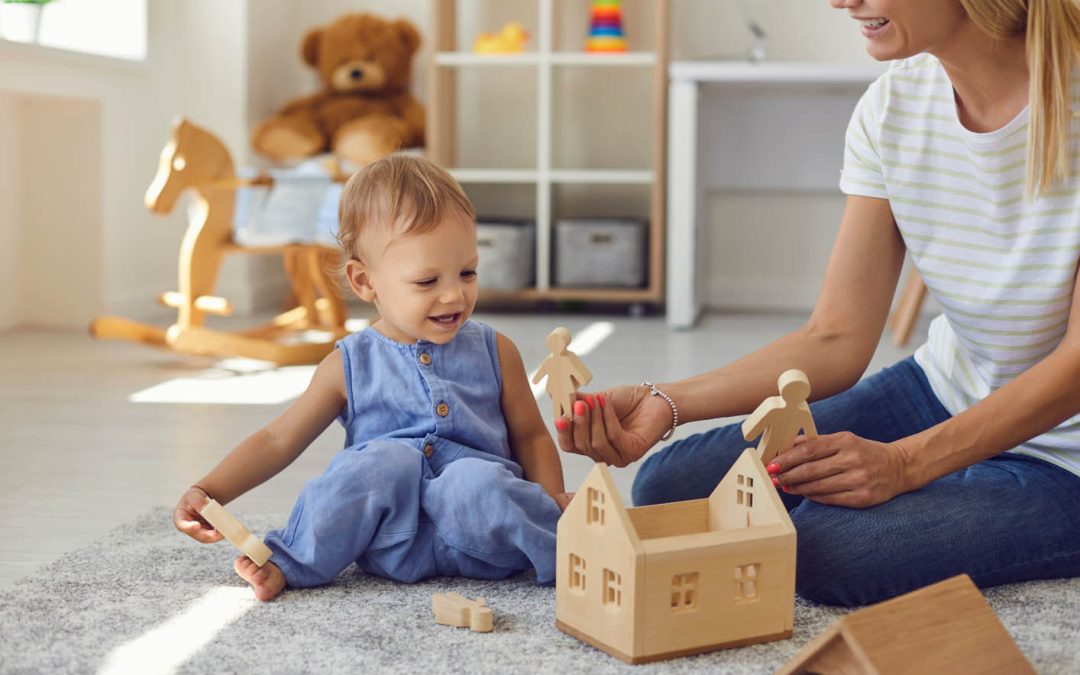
196, 159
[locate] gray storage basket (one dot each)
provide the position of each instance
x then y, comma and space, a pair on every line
506, 246
600, 252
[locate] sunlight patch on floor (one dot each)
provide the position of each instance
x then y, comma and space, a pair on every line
581, 344
238, 381
232, 381
165, 648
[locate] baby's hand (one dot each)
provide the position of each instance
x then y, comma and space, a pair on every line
563, 499
187, 519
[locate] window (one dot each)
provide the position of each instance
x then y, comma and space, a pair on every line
594, 514
746, 581
684, 592
114, 28
577, 574
612, 589
745, 497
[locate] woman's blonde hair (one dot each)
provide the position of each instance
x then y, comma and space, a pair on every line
1052, 37
399, 195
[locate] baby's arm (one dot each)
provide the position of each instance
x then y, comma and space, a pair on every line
529, 438
262, 455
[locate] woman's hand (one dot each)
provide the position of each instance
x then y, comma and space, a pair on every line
616, 427
187, 519
563, 499
842, 470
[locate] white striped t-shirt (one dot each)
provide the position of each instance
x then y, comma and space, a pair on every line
1003, 268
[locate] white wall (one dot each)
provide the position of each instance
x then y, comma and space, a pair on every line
11, 233
196, 66
63, 271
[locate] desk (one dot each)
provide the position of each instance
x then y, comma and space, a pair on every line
830, 92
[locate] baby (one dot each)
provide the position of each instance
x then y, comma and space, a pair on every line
448, 468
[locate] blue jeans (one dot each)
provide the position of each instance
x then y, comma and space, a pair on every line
1006, 519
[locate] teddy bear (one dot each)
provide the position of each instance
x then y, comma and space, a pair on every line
365, 110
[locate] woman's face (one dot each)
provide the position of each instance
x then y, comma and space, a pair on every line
897, 29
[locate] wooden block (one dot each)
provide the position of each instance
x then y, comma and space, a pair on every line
947, 627
454, 609
230, 527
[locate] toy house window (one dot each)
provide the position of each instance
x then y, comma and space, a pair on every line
577, 573
612, 589
744, 493
684, 592
594, 514
746, 582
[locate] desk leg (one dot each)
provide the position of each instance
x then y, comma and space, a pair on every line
682, 199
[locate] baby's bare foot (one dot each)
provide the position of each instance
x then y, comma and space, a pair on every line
267, 580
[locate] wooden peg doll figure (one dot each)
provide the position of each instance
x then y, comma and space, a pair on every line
565, 372
779, 419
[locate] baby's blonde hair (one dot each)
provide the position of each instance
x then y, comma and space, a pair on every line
1051, 29
398, 195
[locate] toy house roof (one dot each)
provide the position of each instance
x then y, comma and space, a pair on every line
946, 627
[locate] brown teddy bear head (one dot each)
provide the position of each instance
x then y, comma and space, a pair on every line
362, 53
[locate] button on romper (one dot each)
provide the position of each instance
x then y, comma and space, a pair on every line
426, 484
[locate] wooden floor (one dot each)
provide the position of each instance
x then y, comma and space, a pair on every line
86, 442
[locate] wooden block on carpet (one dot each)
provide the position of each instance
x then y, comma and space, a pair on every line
235, 532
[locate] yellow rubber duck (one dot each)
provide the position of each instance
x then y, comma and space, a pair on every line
510, 39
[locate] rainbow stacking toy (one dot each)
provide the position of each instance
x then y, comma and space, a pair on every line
605, 27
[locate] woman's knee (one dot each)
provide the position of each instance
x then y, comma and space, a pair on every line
835, 562
650, 484
689, 468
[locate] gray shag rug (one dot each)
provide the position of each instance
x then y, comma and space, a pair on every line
147, 599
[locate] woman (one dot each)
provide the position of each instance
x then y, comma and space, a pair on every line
966, 457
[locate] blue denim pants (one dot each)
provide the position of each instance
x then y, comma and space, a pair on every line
1006, 519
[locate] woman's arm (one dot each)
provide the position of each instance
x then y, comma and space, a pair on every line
833, 348
846, 470
262, 455
836, 344
529, 438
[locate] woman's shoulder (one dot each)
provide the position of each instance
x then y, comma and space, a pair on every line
905, 80
921, 69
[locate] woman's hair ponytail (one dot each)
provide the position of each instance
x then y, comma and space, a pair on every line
1052, 37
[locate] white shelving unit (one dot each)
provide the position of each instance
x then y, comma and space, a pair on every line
545, 62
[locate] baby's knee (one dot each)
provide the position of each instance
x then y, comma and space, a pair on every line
381, 463
474, 471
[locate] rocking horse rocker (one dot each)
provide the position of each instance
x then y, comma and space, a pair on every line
196, 159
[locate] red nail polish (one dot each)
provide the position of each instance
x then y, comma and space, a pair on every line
785, 489
773, 467
775, 481
561, 424
589, 400
600, 397
579, 408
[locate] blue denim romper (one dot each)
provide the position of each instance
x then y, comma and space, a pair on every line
426, 484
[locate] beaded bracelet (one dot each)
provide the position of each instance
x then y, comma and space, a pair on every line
656, 391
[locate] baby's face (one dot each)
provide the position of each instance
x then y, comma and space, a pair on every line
425, 284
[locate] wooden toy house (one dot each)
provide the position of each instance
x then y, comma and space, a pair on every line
655, 582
